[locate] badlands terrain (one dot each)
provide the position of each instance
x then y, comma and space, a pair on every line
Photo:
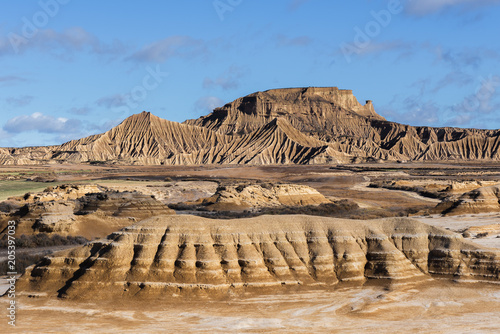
287, 210
259, 248
280, 126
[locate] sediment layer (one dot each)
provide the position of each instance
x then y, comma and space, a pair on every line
170, 255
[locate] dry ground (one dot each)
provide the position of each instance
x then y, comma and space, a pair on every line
437, 307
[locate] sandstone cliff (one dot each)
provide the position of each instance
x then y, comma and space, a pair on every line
165, 256
480, 200
255, 196
336, 117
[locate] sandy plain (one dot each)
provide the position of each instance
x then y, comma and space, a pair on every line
431, 307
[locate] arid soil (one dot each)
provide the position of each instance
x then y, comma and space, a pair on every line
367, 191
438, 307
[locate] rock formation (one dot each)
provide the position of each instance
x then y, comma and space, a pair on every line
122, 204
336, 117
318, 111
480, 200
165, 256
149, 140
255, 196
61, 193
84, 210
280, 126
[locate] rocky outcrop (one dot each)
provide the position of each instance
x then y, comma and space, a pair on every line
280, 126
122, 204
457, 187
165, 256
86, 210
62, 193
310, 110
240, 197
480, 200
335, 116
482, 231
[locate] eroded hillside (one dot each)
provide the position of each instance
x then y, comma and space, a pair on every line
280, 126
168, 255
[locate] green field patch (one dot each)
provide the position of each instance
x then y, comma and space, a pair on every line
21, 187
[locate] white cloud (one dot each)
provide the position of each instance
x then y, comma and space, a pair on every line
208, 103
113, 101
173, 46
413, 110
59, 43
454, 78
42, 123
484, 101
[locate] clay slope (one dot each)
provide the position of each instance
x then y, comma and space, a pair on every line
277, 142
145, 139
165, 256
480, 200
149, 140
336, 117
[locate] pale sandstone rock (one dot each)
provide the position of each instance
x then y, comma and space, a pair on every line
165, 256
257, 196
86, 210
480, 200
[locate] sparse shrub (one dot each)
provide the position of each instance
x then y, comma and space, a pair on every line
23, 261
181, 206
43, 240
267, 185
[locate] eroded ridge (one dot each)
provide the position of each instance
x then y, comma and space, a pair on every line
167, 255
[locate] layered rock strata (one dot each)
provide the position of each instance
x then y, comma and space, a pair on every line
480, 200
263, 196
70, 210
165, 256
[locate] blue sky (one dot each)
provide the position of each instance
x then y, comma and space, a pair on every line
72, 68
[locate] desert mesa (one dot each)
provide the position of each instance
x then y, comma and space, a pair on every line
309, 125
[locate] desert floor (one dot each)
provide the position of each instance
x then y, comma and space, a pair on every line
431, 307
